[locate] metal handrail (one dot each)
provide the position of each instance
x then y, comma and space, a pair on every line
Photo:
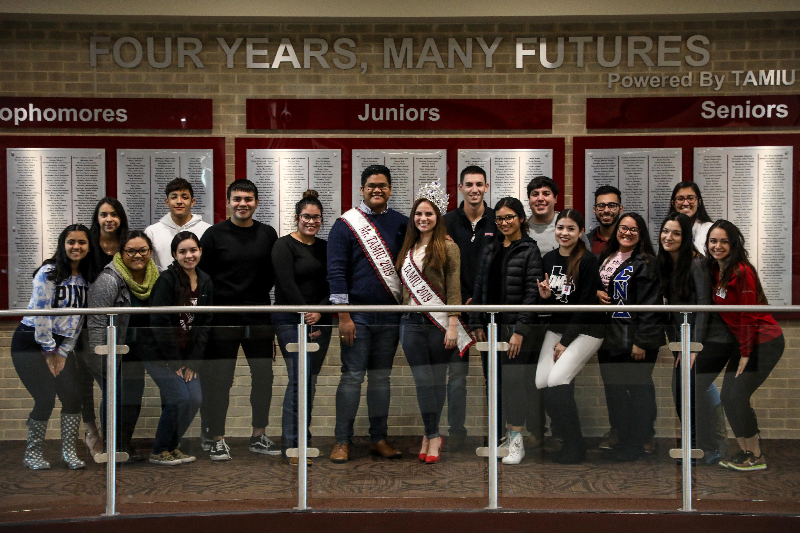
401, 309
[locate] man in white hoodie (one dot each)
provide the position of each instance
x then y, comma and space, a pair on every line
180, 200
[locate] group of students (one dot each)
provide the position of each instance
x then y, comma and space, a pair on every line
377, 256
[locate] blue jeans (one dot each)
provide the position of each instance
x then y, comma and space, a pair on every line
287, 334
372, 352
180, 401
423, 344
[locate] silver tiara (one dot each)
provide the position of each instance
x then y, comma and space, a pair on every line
433, 192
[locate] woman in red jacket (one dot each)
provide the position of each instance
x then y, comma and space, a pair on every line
760, 339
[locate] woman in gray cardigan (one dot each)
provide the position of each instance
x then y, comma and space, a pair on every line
125, 282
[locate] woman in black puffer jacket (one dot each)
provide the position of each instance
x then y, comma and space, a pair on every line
629, 274
508, 274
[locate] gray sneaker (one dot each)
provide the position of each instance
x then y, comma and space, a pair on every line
206, 443
262, 444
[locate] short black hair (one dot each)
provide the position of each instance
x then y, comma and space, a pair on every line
179, 184
472, 169
372, 170
243, 186
542, 181
607, 189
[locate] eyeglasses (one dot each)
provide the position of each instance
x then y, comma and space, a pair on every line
626, 229
305, 217
680, 199
610, 205
505, 219
130, 252
376, 187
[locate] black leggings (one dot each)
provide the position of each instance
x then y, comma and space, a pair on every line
736, 392
32, 369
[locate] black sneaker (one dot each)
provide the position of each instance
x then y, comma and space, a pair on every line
220, 451
262, 444
626, 453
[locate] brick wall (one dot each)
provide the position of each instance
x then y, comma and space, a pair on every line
51, 58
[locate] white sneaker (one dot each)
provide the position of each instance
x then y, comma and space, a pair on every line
516, 451
503, 444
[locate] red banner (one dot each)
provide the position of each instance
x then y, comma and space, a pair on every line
398, 114
106, 113
693, 112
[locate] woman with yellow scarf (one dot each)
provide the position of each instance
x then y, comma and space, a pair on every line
125, 282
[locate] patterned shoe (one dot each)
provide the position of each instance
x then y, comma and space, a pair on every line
164, 458
34, 458
69, 433
182, 457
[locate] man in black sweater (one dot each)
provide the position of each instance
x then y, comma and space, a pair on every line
472, 228
237, 254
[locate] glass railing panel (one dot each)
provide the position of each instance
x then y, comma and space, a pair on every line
756, 412
225, 400
383, 421
597, 426
35, 432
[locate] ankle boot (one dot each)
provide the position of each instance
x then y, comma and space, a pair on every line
34, 458
69, 433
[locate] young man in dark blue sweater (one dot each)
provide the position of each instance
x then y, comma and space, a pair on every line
362, 247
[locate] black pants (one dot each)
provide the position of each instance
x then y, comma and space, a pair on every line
218, 369
32, 369
710, 361
522, 402
736, 391
630, 394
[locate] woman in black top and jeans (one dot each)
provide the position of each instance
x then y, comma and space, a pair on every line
180, 340
300, 260
508, 274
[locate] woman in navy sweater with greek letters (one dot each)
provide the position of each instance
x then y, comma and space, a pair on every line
42, 346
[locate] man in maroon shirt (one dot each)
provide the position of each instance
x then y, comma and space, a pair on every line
607, 209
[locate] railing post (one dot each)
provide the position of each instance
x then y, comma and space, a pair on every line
302, 413
111, 419
686, 412
492, 434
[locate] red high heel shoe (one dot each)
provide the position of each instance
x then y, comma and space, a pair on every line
430, 459
423, 455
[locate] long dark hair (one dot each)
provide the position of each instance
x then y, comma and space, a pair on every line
515, 205
683, 267
736, 259
701, 214
644, 249
123, 219
185, 296
574, 260
435, 255
63, 265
